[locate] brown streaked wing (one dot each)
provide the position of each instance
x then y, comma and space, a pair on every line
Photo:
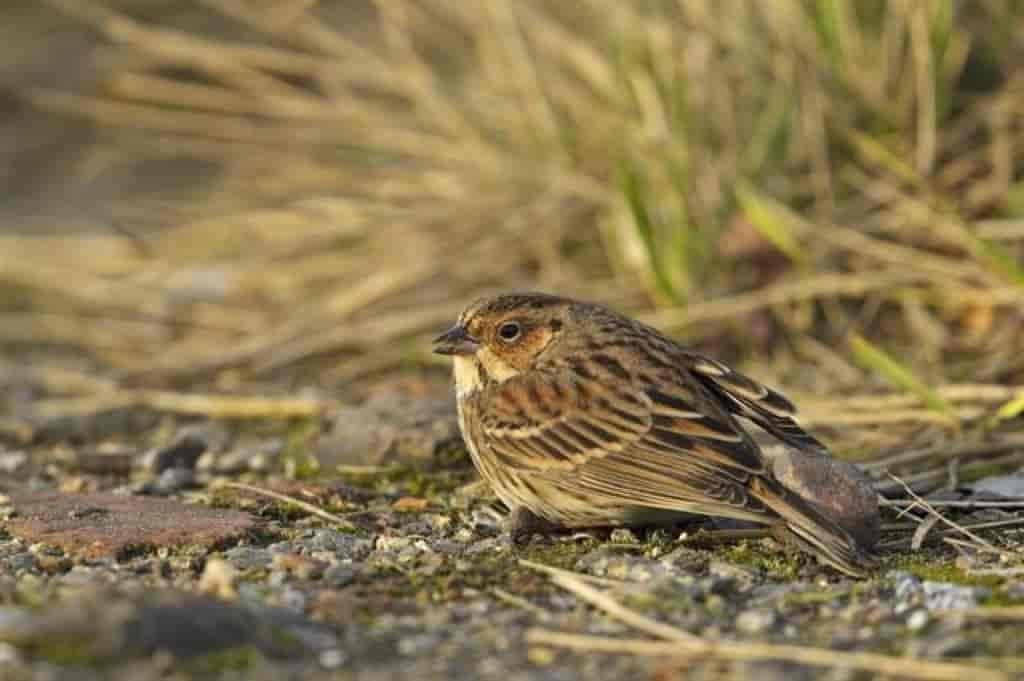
745, 397
553, 423
695, 457
670, 482
556, 423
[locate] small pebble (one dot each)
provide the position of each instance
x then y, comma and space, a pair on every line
340, 574
332, 659
622, 535
183, 452
9, 654
415, 645
249, 558
219, 578
918, 620
756, 621
10, 462
293, 599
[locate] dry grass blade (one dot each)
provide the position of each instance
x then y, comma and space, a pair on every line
572, 583
922, 503
956, 450
521, 603
298, 503
554, 572
212, 406
749, 650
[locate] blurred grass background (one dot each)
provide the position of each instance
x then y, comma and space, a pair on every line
252, 195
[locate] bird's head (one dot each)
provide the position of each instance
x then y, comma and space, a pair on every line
505, 335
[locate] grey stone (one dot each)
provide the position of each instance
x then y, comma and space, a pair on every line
341, 544
10, 462
418, 644
944, 596
249, 558
18, 562
183, 452
934, 596
293, 599
918, 620
390, 427
1000, 485
340, 574
604, 562
256, 458
171, 481
756, 621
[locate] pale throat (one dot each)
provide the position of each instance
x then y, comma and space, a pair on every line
467, 372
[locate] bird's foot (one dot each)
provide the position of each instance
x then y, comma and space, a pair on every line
522, 523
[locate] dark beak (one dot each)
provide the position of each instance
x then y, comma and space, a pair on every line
455, 341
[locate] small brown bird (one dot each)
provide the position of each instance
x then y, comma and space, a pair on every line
580, 417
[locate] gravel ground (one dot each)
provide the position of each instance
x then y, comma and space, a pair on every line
124, 555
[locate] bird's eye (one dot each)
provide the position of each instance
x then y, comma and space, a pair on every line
509, 331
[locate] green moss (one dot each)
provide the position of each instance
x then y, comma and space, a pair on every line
31, 591
935, 569
559, 554
299, 462
452, 455
68, 653
778, 563
233, 659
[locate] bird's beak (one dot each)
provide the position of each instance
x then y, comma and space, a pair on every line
455, 341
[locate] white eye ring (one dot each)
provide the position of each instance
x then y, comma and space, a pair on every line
509, 331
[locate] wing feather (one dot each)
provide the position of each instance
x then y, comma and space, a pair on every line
672, 447
743, 396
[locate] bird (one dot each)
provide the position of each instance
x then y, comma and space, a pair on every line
580, 417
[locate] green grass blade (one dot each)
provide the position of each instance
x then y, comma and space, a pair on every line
827, 17
874, 358
770, 223
633, 191
1009, 410
996, 257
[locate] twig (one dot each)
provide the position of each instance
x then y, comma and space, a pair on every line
931, 479
960, 543
922, 531
966, 504
277, 496
963, 530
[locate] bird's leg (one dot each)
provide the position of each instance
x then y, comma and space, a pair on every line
522, 522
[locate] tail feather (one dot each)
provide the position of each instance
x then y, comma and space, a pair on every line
811, 530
